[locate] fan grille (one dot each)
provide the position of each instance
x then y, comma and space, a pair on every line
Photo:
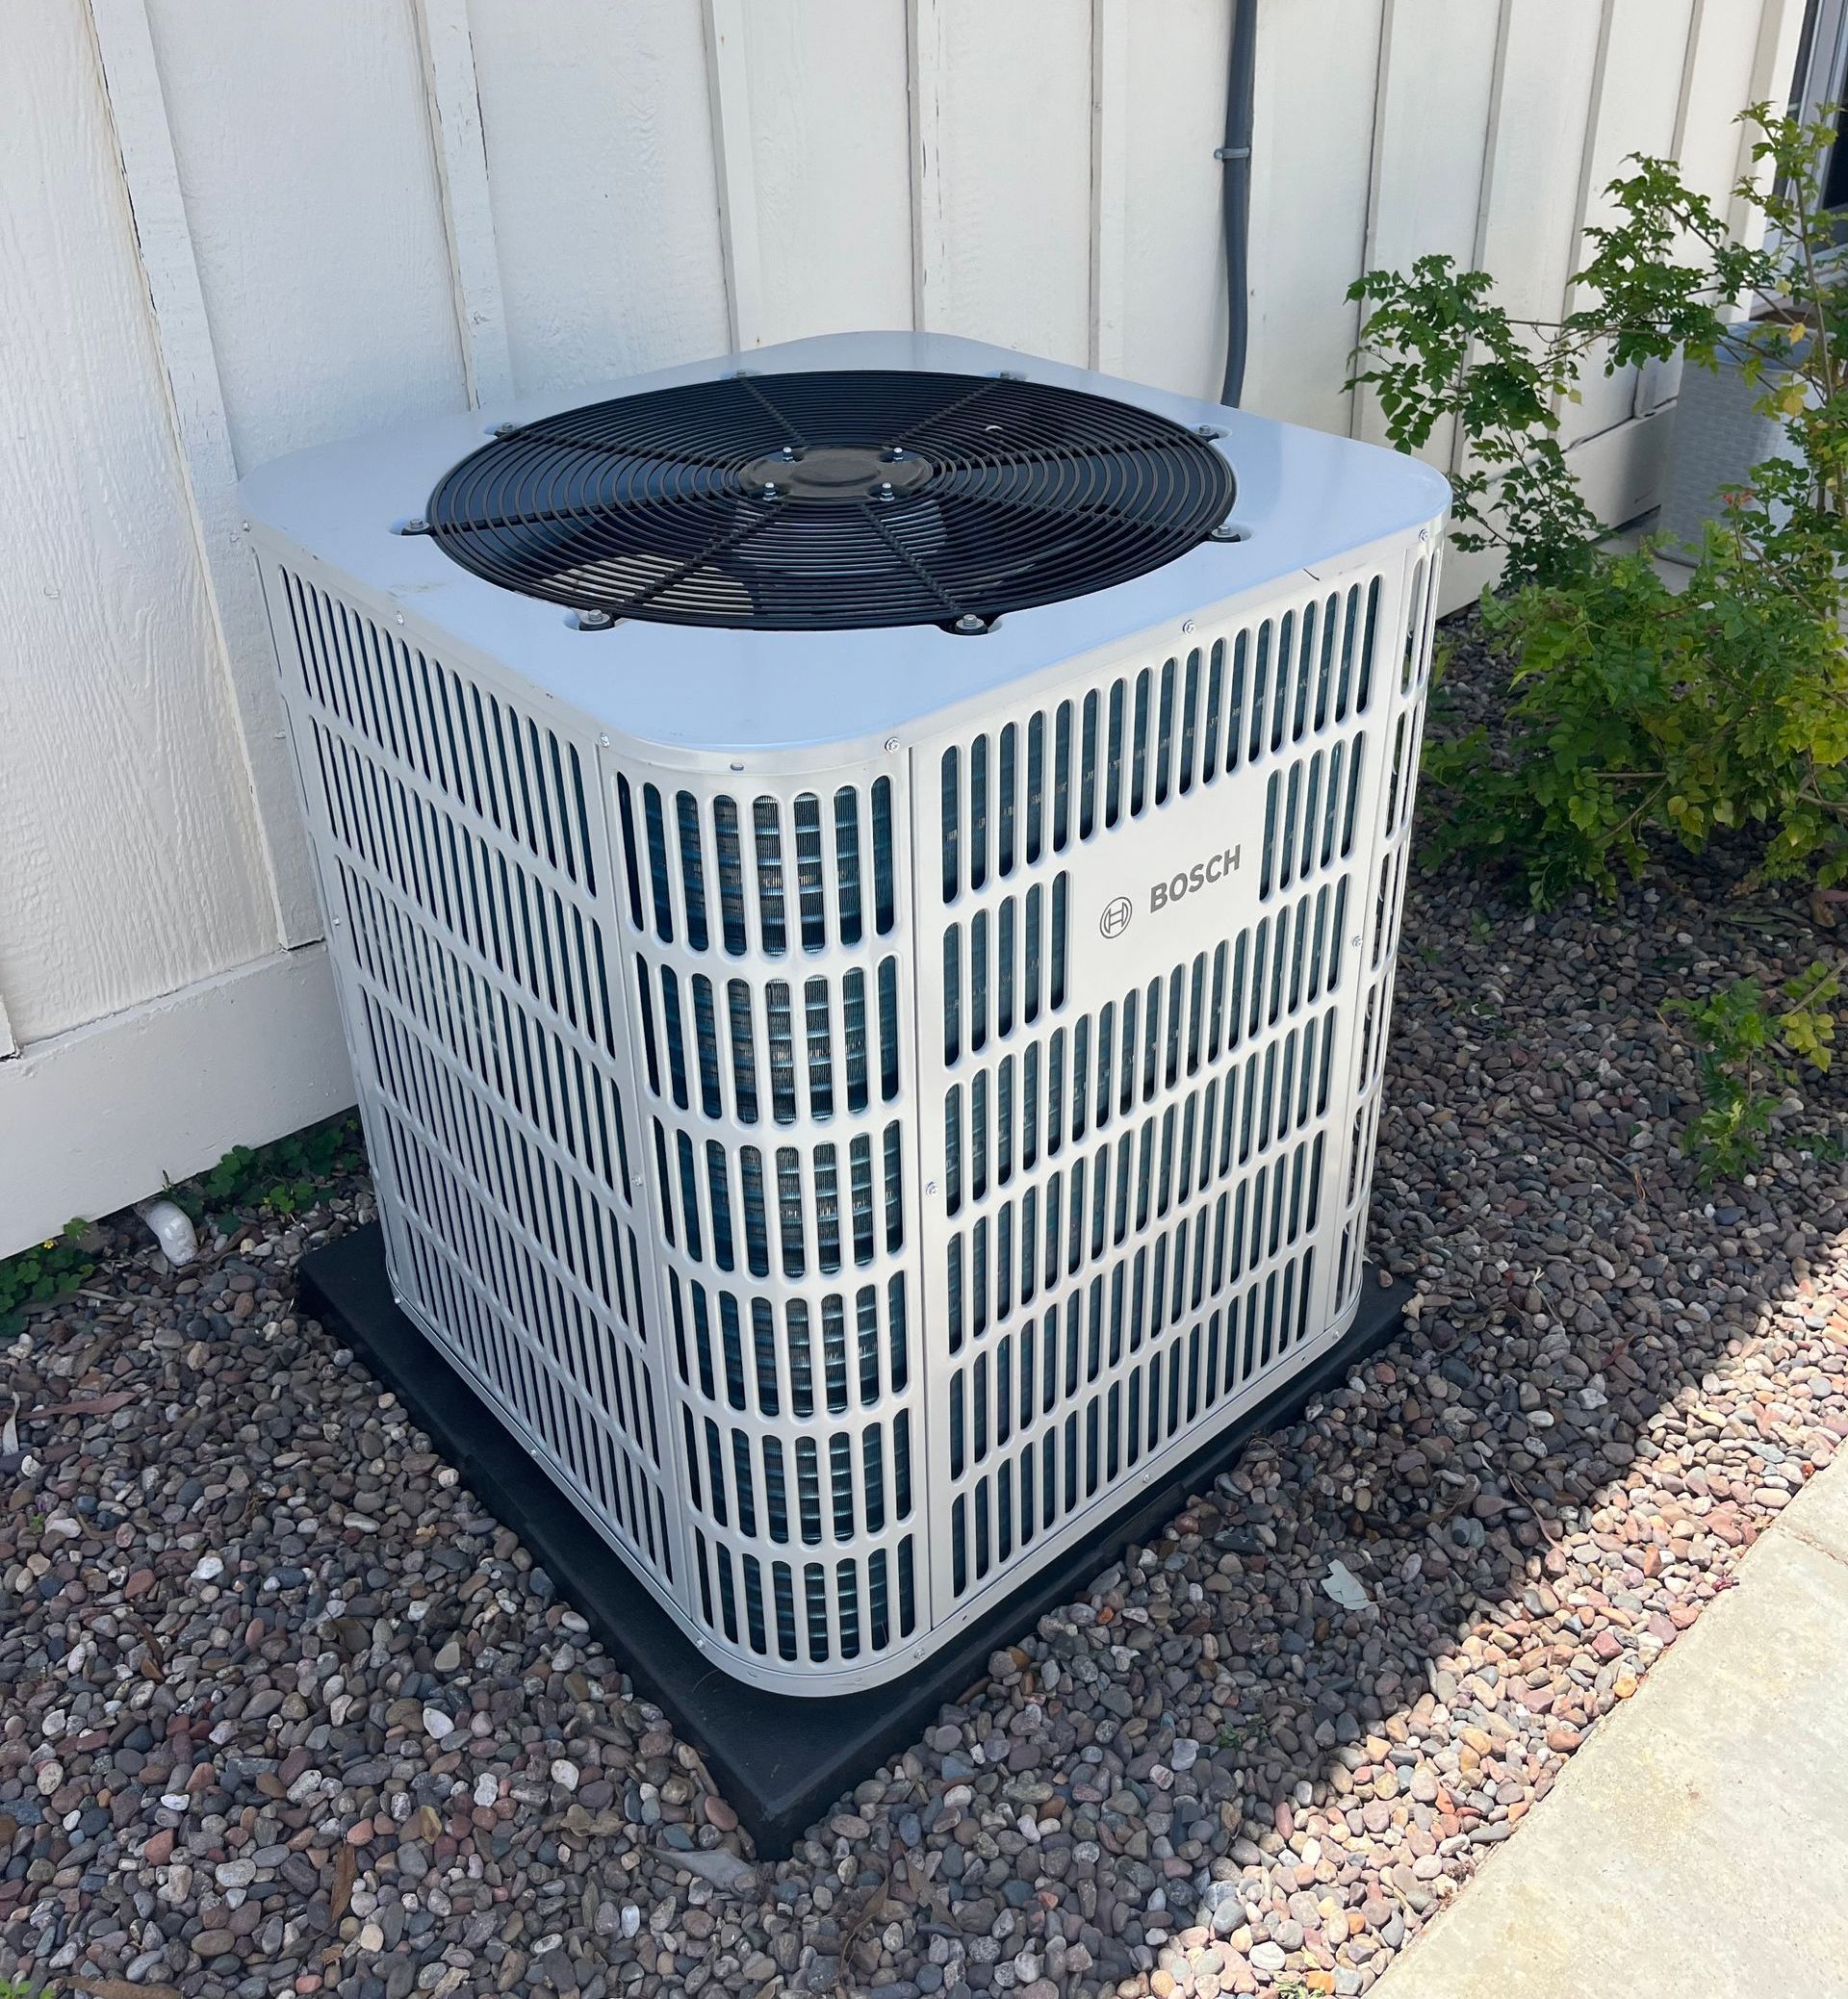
831, 501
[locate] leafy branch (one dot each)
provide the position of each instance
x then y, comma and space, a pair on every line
1636, 714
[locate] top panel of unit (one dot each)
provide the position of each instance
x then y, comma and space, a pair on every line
823, 542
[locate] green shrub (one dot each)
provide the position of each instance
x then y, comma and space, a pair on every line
1639, 716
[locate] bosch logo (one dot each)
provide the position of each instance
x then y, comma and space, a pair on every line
1190, 881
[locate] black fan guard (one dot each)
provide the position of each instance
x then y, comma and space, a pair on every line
831, 501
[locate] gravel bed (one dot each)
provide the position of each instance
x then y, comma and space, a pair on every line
282, 1711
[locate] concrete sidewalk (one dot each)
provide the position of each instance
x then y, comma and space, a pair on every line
1697, 1844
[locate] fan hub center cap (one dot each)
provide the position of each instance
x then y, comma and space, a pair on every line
839, 472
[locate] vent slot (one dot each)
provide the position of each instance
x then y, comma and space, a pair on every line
1067, 1218
557, 1091
1126, 747
573, 1377
700, 1205
448, 737
1077, 1397
1004, 966
511, 923
821, 866
815, 1052
1089, 1074
843, 1363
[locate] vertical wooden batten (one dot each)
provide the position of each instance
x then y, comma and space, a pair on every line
1108, 180
1774, 65
1314, 119
1598, 108
209, 471
924, 57
1491, 129
1587, 153
462, 177
1658, 381
728, 87
1425, 191
1639, 90
1696, 22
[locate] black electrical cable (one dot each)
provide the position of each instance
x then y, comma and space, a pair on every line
1236, 155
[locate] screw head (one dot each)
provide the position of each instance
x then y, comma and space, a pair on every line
883, 490
1226, 532
420, 525
892, 742
1187, 624
930, 1187
770, 491
594, 621
1207, 431
969, 622
892, 454
504, 430
789, 452
602, 742
1009, 374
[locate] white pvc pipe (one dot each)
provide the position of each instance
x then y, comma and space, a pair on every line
172, 1229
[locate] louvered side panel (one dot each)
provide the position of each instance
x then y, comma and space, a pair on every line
767, 972
1407, 665
1143, 984
462, 849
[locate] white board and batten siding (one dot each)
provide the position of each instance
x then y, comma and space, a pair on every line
231, 231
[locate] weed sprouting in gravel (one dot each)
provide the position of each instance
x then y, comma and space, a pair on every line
51, 1270
26, 1988
284, 1177
1742, 1042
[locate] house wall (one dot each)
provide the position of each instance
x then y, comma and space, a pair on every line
227, 231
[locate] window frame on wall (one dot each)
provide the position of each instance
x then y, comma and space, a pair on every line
1822, 79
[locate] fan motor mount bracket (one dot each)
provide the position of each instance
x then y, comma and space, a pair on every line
837, 472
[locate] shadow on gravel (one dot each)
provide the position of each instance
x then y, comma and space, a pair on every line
281, 1710
1611, 1383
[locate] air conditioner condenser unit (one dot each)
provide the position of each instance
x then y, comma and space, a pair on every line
863, 881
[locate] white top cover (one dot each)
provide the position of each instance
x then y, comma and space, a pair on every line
695, 696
